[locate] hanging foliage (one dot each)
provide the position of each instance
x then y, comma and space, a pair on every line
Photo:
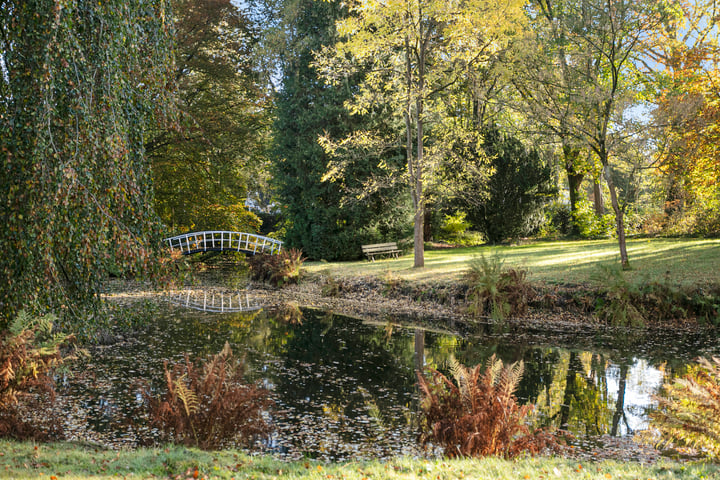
80, 83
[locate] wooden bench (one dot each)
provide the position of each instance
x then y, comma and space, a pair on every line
381, 249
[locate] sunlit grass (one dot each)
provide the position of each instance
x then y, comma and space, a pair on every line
68, 461
681, 261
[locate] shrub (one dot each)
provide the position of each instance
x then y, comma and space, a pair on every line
279, 269
455, 230
29, 352
688, 413
589, 225
558, 220
494, 290
618, 306
209, 406
478, 414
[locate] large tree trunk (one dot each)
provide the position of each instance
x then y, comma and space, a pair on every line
619, 218
419, 239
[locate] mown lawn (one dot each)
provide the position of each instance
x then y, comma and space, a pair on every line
680, 261
68, 461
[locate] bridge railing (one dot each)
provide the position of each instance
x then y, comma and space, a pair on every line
222, 240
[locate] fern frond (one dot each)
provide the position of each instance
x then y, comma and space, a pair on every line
461, 375
477, 415
187, 396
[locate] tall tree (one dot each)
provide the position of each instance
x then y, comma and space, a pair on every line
80, 84
323, 216
601, 41
413, 51
203, 169
546, 80
683, 62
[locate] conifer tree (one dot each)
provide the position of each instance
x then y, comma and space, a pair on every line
324, 218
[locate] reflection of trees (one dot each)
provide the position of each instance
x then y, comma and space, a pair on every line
620, 403
345, 385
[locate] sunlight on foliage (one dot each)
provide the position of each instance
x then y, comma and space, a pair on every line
688, 411
494, 290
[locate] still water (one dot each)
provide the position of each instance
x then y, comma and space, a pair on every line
345, 387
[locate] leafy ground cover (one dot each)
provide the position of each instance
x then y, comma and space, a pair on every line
683, 262
72, 461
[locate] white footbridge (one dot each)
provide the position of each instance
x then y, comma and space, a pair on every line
224, 241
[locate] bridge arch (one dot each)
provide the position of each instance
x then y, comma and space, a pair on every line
222, 241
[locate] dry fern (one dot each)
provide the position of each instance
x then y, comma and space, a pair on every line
478, 414
210, 406
29, 352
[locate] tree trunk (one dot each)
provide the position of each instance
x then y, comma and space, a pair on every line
427, 227
574, 182
619, 220
570, 156
598, 199
420, 154
419, 240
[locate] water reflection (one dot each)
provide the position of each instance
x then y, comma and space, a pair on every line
214, 300
344, 388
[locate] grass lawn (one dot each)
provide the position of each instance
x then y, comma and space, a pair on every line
67, 461
683, 261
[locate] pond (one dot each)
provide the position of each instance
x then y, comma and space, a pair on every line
346, 388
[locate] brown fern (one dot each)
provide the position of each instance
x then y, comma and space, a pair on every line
279, 269
209, 405
29, 352
478, 414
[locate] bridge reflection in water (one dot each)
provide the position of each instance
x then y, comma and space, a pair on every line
214, 300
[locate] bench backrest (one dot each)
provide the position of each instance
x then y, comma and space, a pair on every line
379, 247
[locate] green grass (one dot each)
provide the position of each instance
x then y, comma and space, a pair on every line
68, 461
684, 261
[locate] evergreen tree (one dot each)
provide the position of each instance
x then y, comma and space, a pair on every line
325, 218
509, 203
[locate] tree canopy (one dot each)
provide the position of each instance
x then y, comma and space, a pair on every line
81, 84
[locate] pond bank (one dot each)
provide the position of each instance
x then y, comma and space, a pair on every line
558, 307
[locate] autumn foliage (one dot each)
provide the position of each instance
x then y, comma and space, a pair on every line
477, 414
210, 405
688, 412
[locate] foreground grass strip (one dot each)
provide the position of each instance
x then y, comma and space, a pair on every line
686, 261
69, 461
